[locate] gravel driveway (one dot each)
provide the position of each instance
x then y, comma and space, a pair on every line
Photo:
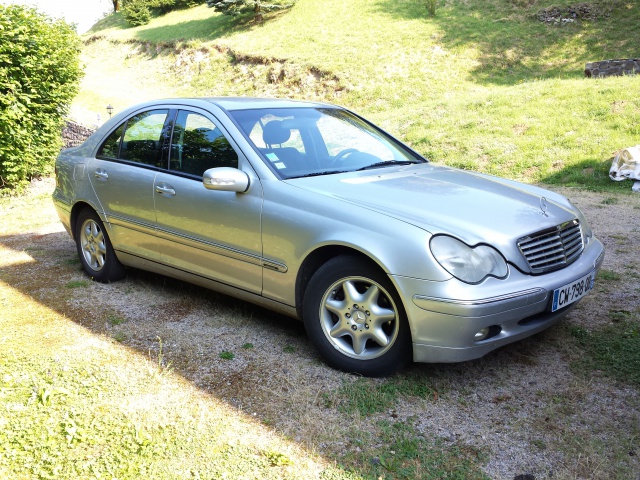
522, 406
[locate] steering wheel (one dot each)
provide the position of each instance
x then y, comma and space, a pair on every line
340, 156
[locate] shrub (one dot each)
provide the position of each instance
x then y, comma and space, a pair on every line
239, 7
168, 5
137, 12
39, 73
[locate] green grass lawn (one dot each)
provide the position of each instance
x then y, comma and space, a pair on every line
483, 85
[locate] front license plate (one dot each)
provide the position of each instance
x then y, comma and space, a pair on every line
572, 292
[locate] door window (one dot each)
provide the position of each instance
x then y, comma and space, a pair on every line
141, 142
110, 149
198, 144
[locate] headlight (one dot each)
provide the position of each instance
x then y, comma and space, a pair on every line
471, 265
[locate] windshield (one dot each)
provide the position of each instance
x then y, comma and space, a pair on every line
301, 142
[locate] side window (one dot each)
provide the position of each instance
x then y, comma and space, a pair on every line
141, 142
197, 145
111, 146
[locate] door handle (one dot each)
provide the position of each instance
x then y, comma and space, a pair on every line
101, 174
165, 189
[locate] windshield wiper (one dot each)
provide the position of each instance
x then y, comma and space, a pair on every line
317, 174
374, 165
386, 164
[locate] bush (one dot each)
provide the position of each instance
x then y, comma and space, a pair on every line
168, 5
239, 7
39, 73
137, 12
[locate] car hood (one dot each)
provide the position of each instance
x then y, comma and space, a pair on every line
474, 207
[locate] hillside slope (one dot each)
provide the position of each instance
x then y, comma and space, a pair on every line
483, 85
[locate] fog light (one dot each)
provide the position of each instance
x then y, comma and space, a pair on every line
481, 335
487, 333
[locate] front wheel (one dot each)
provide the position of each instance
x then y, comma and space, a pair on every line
96, 254
355, 319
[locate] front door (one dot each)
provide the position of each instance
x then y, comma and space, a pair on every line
211, 233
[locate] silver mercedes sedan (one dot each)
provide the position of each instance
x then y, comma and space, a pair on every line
310, 210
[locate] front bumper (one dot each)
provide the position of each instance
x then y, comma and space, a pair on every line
445, 317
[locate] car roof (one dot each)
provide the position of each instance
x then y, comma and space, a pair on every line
238, 103
249, 103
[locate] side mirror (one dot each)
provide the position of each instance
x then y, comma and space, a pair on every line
226, 179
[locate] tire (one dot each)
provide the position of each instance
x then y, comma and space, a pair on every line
355, 319
96, 253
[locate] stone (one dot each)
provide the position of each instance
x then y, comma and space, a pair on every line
608, 68
74, 134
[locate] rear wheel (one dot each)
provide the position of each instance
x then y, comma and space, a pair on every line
355, 319
96, 253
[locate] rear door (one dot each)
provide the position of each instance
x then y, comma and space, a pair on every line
123, 174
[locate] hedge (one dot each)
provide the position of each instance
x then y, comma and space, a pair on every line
39, 74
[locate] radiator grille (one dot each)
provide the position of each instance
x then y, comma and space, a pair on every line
553, 248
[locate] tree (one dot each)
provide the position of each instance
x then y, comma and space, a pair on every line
116, 5
238, 7
137, 12
39, 73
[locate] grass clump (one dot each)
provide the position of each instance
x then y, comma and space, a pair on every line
613, 349
115, 319
226, 355
402, 452
368, 396
431, 6
608, 275
120, 337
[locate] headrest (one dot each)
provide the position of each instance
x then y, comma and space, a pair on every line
275, 133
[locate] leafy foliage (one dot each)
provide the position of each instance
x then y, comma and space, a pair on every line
140, 12
168, 5
137, 12
238, 7
39, 72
